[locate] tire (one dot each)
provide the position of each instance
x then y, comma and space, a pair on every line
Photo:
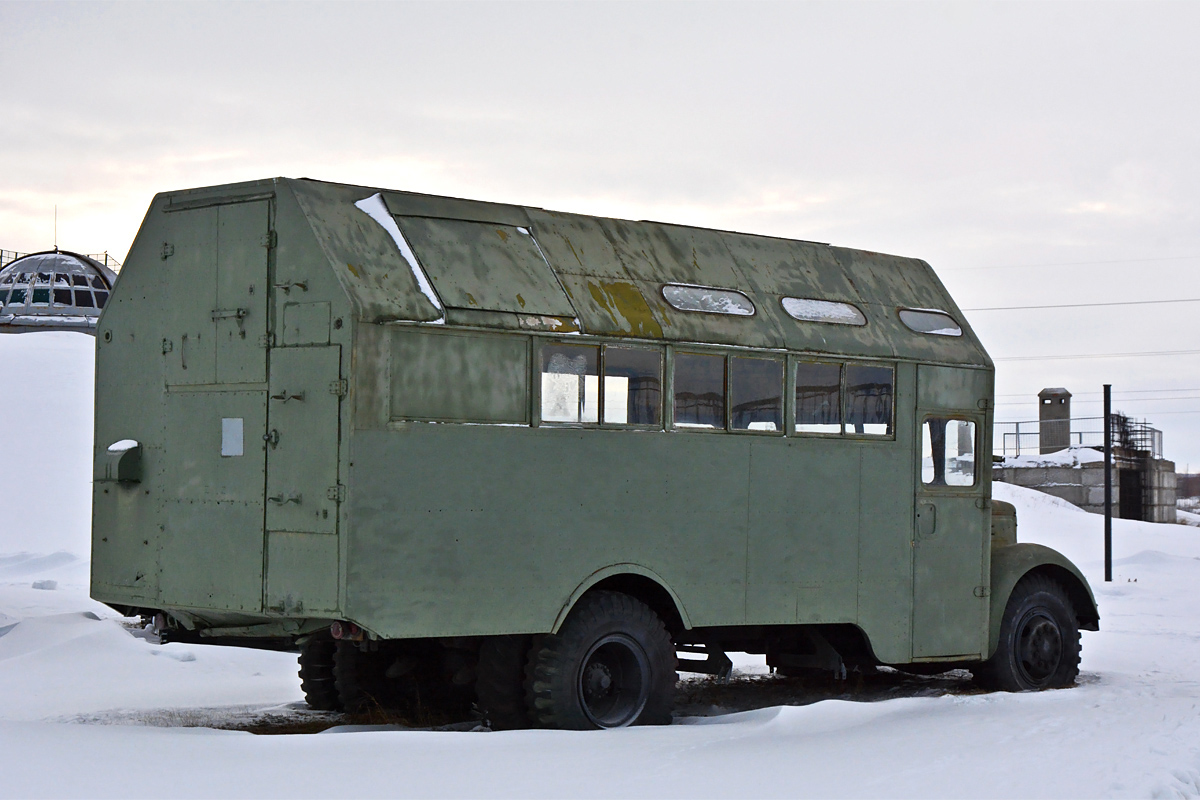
1039, 640
359, 678
612, 664
500, 681
316, 674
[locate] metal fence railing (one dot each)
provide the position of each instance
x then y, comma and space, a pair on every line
9, 256
1044, 436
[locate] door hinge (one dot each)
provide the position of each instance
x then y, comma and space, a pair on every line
168, 346
984, 404
982, 591
271, 437
983, 502
230, 313
167, 250
266, 340
339, 388
336, 493
269, 239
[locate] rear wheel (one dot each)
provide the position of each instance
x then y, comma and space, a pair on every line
612, 664
359, 676
316, 674
1039, 640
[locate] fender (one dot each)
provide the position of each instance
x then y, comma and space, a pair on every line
1011, 563
613, 571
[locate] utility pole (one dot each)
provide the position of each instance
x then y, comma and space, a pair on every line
1108, 483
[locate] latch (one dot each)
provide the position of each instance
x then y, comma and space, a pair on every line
271, 437
284, 499
336, 493
289, 285
230, 313
284, 396
339, 388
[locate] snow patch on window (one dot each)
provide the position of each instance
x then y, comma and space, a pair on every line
809, 310
708, 300
930, 320
376, 209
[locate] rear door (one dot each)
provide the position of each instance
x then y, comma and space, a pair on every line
951, 527
215, 279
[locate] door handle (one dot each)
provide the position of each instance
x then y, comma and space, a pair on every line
271, 437
284, 396
926, 520
284, 499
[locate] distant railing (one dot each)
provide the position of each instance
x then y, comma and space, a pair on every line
8, 256
1030, 438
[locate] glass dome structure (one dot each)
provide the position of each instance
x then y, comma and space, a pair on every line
54, 290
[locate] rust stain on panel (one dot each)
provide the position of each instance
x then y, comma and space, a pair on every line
627, 307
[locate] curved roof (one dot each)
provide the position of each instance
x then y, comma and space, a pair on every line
406, 257
53, 290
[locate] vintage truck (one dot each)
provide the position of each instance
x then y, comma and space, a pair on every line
466, 452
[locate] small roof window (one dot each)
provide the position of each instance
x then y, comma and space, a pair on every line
835, 313
927, 320
708, 300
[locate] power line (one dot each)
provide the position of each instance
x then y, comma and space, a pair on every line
1123, 391
1087, 305
1070, 264
1148, 354
1126, 400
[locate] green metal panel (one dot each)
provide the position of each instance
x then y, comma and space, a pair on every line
363, 256
239, 316
120, 555
306, 323
188, 259
302, 573
212, 549
302, 440
460, 377
529, 514
485, 266
802, 554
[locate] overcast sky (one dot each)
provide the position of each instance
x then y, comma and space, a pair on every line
1032, 153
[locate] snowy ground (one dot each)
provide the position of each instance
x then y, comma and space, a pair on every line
88, 708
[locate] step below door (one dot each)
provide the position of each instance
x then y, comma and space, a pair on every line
303, 491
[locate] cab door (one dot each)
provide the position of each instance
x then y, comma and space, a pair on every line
951, 526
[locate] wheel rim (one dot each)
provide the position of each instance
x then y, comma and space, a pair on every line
1039, 647
614, 681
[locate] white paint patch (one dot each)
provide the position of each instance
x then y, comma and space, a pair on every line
376, 209
232, 440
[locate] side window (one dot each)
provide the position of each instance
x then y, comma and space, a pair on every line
818, 397
632, 386
756, 394
570, 383
699, 391
869, 400
948, 452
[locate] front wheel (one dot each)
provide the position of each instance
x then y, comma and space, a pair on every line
612, 664
1039, 640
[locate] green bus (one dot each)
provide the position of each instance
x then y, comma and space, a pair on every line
462, 452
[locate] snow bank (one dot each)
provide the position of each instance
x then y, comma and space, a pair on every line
1071, 457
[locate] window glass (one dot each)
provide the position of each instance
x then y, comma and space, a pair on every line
632, 386
808, 310
18, 297
938, 323
818, 397
756, 394
699, 391
62, 297
570, 383
3, 296
101, 299
708, 300
869, 400
948, 452
41, 297
83, 298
